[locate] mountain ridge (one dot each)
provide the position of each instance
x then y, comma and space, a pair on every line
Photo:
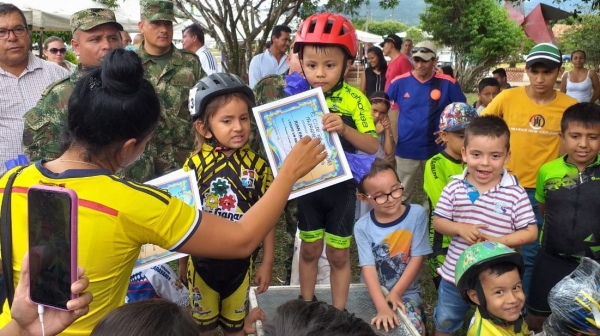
408, 10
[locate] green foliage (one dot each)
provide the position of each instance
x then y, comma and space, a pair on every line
415, 34
70, 56
384, 28
479, 33
349, 7
109, 3
585, 37
66, 36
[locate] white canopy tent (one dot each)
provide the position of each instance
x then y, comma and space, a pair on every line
366, 37
55, 15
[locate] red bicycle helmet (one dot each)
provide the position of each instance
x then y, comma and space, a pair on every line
327, 29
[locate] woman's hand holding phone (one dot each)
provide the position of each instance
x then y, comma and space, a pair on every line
25, 313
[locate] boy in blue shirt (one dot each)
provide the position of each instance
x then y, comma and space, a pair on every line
392, 242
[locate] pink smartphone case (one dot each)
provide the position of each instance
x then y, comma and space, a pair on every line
74, 205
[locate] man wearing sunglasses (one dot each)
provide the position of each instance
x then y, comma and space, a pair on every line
421, 95
23, 78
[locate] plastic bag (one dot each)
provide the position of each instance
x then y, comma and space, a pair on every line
360, 164
575, 302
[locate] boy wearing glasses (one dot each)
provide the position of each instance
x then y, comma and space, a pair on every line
484, 203
392, 242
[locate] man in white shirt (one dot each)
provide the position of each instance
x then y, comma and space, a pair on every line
273, 60
23, 78
193, 41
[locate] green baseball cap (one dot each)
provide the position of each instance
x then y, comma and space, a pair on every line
157, 10
545, 53
92, 17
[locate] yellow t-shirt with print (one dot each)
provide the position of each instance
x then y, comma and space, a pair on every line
115, 218
534, 130
483, 327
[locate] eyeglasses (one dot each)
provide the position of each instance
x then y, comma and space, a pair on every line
381, 199
60, 51
19, 31
422, 50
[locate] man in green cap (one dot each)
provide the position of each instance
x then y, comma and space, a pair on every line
95, 33
172, 71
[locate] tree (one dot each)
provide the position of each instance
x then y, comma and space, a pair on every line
415, 34
479, 33
585, 37
384, 28
236, 24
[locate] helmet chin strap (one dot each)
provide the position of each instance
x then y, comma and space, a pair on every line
496, 320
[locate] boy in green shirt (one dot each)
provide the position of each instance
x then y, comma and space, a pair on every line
438, 171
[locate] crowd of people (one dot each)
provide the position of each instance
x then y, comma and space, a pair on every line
518, 162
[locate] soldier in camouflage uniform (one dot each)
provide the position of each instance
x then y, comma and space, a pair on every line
43, 136
172, 71
267, 90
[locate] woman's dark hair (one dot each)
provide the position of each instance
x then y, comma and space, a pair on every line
301, 318
380, 97
148, 317
111, 104
381, 62
578, 51
447, 70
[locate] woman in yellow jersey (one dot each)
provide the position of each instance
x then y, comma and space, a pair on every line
112, 115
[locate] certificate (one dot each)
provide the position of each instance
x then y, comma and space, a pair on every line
284, 122
184, 186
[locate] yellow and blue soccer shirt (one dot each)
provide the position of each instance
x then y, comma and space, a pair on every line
229, 186
115, 218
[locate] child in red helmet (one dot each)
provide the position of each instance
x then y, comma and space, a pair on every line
326, 44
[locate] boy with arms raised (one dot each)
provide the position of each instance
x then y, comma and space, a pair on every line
568, 195
439, 171
484, 203
488, 275
326, 44
392, 242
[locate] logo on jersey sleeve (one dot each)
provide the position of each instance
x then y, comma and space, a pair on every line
248, 177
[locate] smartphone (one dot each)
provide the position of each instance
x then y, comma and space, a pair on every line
52, 225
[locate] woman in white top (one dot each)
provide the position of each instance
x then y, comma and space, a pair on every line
580, 83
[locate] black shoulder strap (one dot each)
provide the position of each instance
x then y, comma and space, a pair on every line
6, 236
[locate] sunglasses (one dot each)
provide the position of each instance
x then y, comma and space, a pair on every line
60, 51
422, 50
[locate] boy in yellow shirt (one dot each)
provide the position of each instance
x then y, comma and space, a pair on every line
488, 275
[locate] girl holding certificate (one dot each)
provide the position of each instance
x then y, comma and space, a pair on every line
231, 178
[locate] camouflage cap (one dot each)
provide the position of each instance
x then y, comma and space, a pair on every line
89, 18
157, 10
